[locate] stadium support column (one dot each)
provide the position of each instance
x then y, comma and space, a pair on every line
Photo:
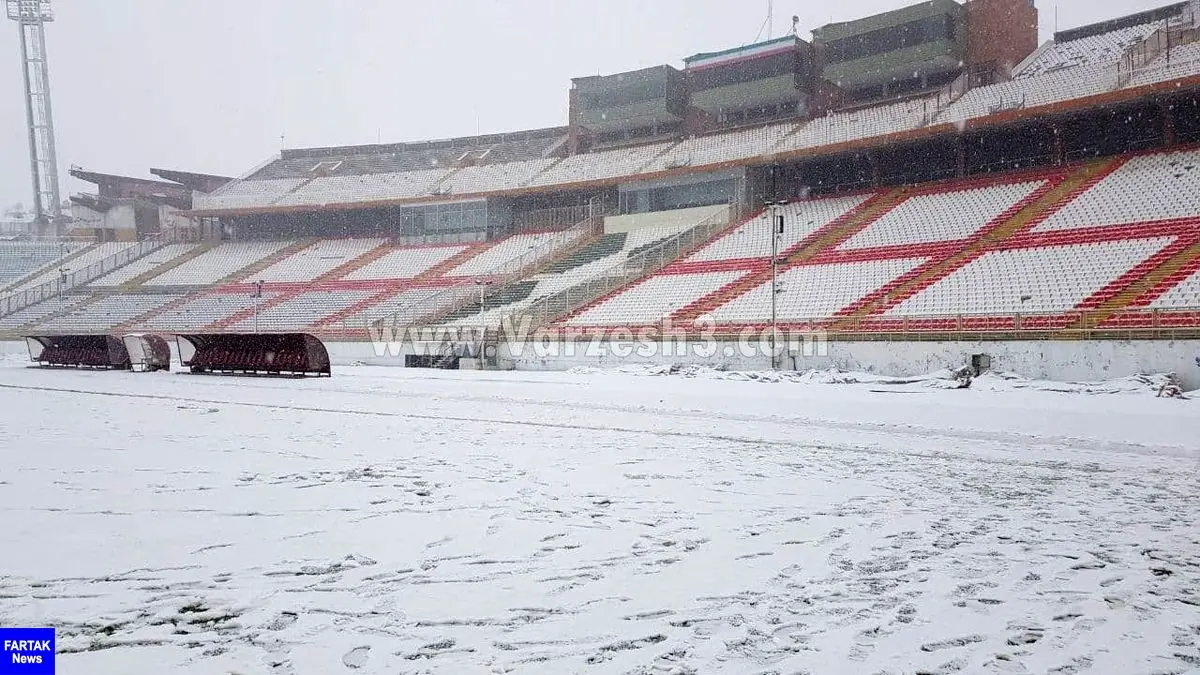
1168, 122
960, 157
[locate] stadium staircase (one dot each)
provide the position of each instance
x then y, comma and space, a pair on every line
606, 245
451, 263
244, 273
506, 295
61, 262
64, 312
830, 236
1021, 217
1137, 287
356, 264
141, 279
333, 320
249, 271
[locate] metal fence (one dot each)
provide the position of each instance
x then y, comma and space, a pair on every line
626, 272
452, 297
19, 300
553, 219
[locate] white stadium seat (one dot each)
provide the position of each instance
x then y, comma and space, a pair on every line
246, 194
366, 188
405, 263
22, 258
107, 313
304, 310
941, 216
1093, 50
95, 254
603, 164
1153, 187
753, 238
198, 313
321, 258
221, 262
813, 291
504, 252
649, 301
1035, 280
143, 265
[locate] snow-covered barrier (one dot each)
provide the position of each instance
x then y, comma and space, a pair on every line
78, 351
256, 353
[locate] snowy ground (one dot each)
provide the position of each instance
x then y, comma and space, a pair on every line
392, 521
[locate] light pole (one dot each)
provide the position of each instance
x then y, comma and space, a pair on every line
257, 295
776, 220
481, 283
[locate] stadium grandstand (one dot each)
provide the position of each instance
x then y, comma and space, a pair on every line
937, 174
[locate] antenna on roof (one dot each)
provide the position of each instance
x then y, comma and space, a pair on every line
770, 19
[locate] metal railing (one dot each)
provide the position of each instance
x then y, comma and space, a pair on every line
18, 300
1138, 59
626, 272
450, 298
552, 219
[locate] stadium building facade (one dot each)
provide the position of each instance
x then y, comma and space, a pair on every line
941, 171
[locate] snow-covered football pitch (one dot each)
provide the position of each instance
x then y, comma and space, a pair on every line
397, 521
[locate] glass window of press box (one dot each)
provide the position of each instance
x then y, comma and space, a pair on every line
638, 199
458, 218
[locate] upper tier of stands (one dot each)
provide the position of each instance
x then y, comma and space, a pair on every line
403, 157
1057, 72
1089, 51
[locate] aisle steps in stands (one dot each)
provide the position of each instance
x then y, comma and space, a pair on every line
169, 265
1020, 218
357, 308
826, 238
139, 320
1137, 283
352, 266
41, 271
247, 273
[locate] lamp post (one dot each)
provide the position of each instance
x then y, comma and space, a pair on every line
256, 295
776, 220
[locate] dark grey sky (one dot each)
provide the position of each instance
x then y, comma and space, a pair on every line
211, 85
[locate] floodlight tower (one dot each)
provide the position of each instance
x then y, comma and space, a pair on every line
32, 16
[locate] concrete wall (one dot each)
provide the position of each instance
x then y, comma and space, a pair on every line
1060, 361
1050, 360
678, 217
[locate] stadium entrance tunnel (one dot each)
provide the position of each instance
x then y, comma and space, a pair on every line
147, 353
295, 354
78, 351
